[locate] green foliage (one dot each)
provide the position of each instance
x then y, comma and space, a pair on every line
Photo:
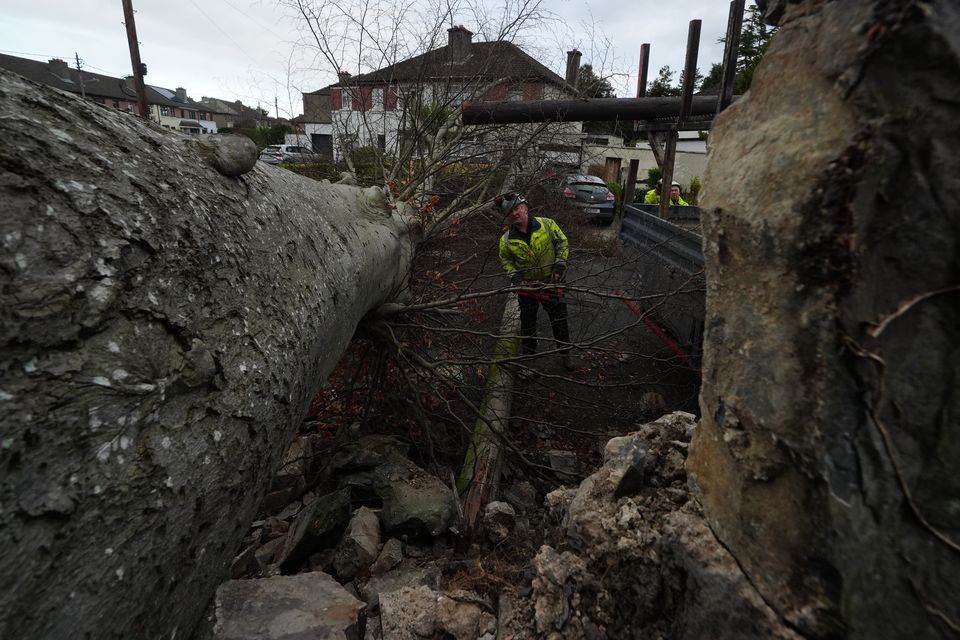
711, 84
754, 40
617, 190
663, 85
693, 194
590, 85
755, 37
652, 176
266, 134
369, 163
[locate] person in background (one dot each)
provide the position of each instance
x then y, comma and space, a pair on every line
653, 195
535, 250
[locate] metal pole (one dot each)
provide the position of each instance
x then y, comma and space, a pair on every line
731, 52
135, 58
582, 110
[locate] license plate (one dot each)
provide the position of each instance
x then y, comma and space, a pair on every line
591, 210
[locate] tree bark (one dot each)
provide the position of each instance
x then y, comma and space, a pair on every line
164, 328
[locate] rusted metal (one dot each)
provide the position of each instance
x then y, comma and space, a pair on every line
731, 51
582, 110
135, 58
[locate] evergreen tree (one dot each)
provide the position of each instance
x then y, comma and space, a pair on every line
663, 85
590, 85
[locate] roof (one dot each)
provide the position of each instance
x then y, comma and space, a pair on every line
58, 74
67, 79
486, 61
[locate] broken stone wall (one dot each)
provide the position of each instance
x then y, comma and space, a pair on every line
830, 394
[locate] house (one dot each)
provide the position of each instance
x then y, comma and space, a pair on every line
317, 121
690, 160
393, 107
181, 113
170, 109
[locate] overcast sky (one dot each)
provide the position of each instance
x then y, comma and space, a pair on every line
257, 50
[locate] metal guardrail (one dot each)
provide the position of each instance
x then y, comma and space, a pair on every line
671, 260
674, 244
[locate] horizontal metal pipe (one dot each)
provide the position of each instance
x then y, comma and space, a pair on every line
582, 110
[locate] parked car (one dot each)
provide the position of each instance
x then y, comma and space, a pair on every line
277, 153
590, 195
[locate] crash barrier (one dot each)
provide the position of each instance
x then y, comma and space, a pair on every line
670, 262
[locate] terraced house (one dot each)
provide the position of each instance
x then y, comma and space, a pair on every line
170, 109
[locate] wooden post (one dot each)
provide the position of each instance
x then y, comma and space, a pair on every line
731, 51
686, 102
644, 66
631, 185
135, 58
666, 173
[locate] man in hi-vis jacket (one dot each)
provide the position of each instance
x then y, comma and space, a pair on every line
534, 250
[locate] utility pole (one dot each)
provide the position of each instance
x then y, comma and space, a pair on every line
276, 108
83, 92
135, 58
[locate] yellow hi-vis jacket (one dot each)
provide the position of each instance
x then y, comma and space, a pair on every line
535, 259
652, 197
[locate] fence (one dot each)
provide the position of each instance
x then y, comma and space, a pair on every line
671, 262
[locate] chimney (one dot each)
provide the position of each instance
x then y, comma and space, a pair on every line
59, 68
343, 76
573, 67
181, 94
458, 44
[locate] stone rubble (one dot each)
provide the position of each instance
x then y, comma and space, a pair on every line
623, 553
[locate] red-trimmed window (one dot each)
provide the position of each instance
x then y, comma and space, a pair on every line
336, 100
498, 92
390, 98
366, 99
533, 91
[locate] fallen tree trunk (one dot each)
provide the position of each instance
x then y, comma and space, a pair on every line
483, 463
164, 327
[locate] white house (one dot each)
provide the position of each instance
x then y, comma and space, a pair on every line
402, 104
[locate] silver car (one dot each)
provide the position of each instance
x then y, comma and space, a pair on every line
590, 195
277, 153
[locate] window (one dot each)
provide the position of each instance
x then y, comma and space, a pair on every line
381, 142
165, 111
193, 115
116, 104
378, 99
347, 102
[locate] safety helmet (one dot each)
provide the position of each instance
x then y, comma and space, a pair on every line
508, 201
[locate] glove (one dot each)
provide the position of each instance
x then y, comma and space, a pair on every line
516, 279
558, 270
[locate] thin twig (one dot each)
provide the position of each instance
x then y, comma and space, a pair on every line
878, 327
889, 447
